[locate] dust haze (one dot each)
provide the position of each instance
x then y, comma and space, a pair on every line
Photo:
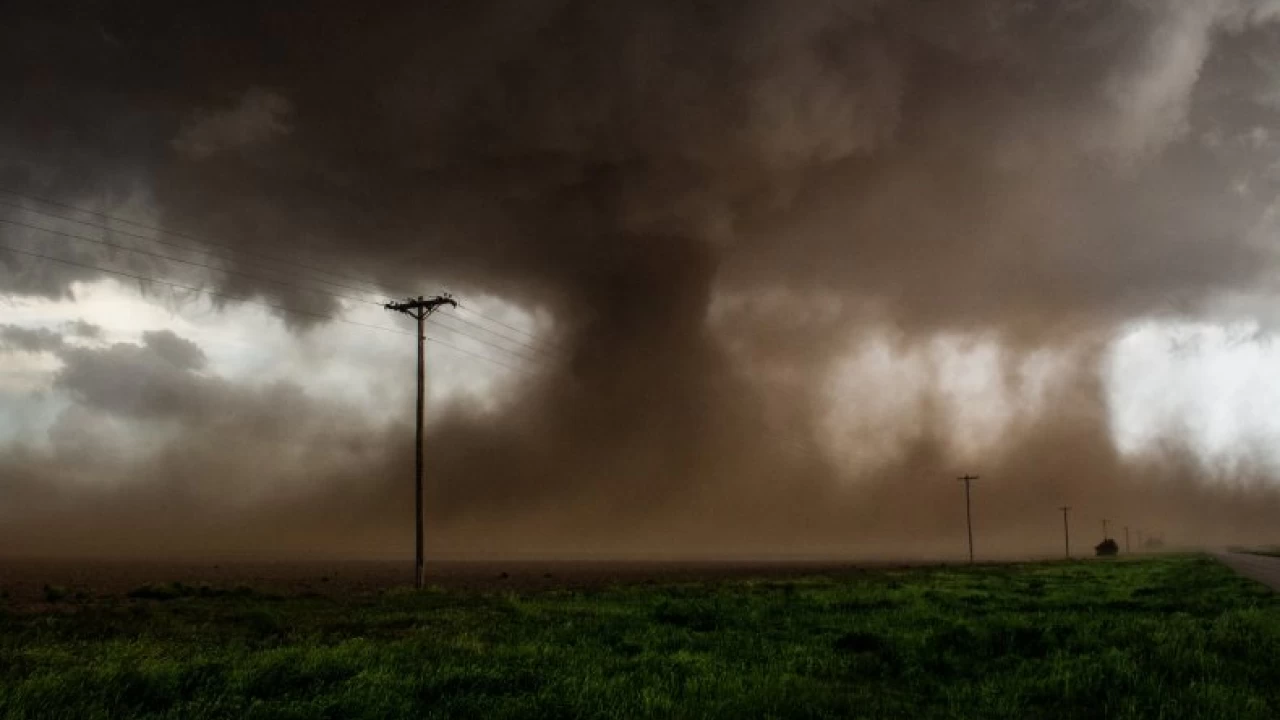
725, 208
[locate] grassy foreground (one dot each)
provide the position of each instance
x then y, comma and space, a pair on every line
1174, 637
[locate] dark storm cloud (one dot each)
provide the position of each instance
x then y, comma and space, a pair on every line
25, 339
83, 329
709, 198
152, 379
526, 146
23, 275
13, 337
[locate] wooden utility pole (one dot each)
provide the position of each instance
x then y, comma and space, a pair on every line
1104, 530
419, 309
1066, 530
968, 516
1126, 539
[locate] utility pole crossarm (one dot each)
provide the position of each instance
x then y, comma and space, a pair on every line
420, 306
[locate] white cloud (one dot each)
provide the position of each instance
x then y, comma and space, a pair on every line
352, 365
1211, 386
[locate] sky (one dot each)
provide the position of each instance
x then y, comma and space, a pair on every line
735, 278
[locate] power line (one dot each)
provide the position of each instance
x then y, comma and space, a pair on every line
249, 301
484, 329
509, 327
282, 283
234, 249
170, 258
493, 345
173, 233
215, 293
157, 241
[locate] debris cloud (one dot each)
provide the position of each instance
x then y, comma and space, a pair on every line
738, 214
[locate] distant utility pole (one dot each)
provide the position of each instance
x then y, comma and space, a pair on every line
968, 516
1104, 530
1139, 538
1066, 530
419, 309
1126, 538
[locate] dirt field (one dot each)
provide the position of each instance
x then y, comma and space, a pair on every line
25, 581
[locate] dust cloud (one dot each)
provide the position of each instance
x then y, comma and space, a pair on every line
720, 204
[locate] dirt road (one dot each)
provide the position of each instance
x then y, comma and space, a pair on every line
1263, 568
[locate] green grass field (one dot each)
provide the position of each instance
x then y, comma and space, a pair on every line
1178, 637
